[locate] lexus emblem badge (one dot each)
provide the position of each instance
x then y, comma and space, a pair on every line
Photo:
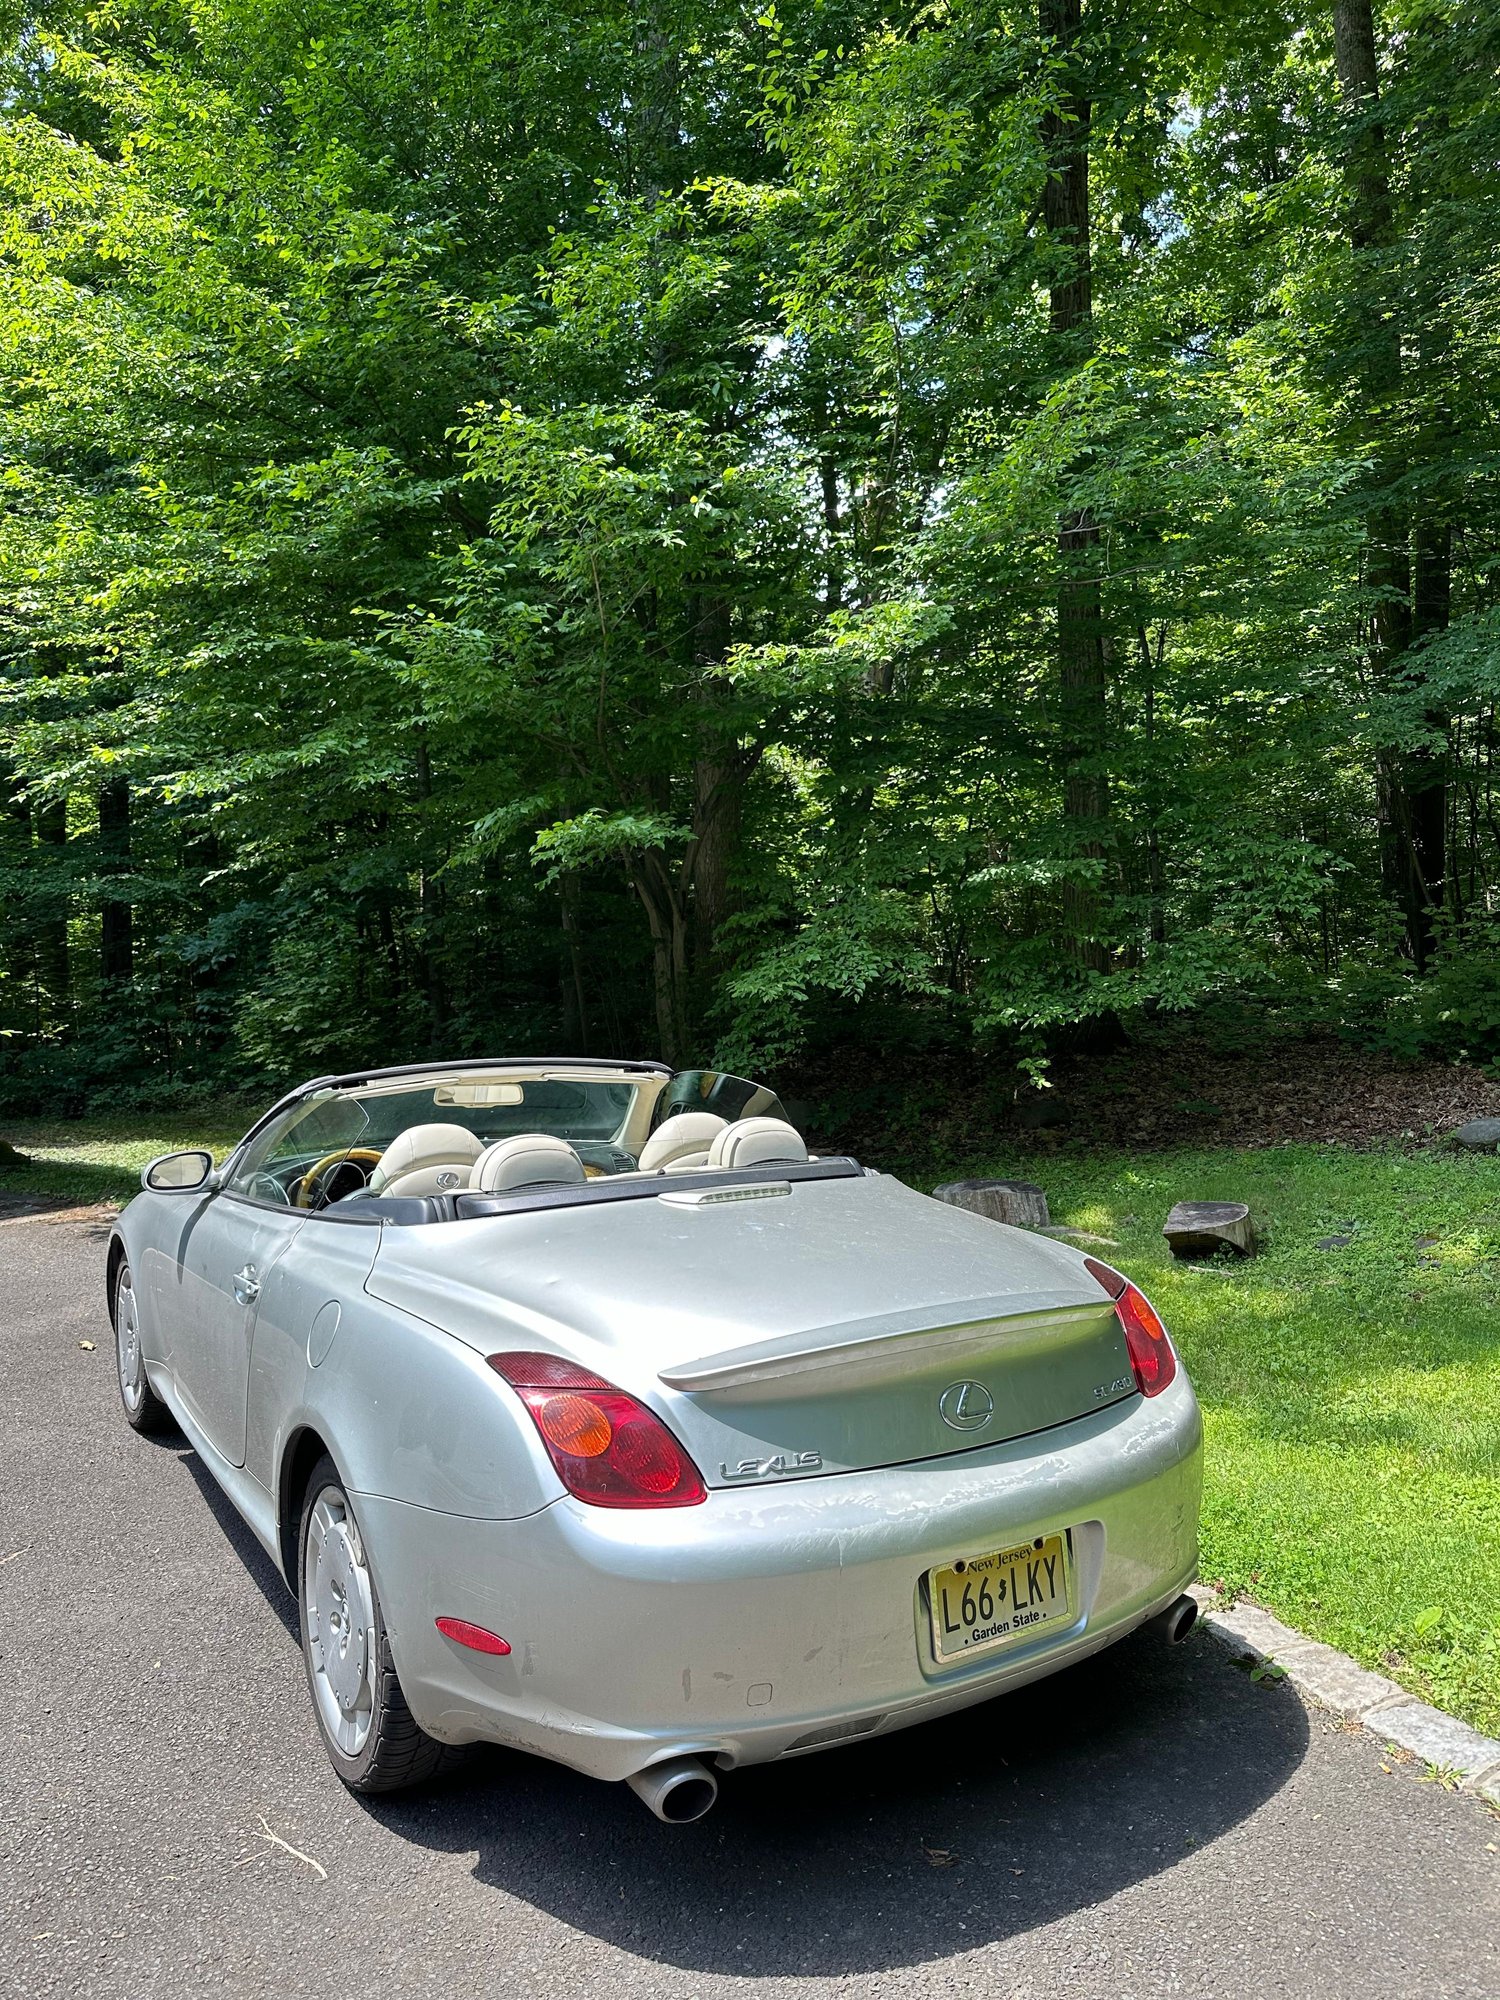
966, 1406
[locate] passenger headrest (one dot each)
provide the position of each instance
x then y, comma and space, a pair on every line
755, 1142
452, 1177
690, 1133
426, 1146
527, 1160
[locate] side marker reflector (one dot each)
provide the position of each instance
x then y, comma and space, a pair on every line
473, 1636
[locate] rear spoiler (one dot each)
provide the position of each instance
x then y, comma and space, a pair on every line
891, 1340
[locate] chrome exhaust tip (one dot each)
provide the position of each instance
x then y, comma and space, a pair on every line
1174, 1624
678, 1792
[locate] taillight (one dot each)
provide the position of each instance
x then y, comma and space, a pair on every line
608, 1449
1146, 1339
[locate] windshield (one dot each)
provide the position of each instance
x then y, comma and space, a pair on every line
426, 1135
587, 1112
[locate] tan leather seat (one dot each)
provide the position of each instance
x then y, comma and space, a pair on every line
530, 1159
421, 1147
683, 1141
757, 1142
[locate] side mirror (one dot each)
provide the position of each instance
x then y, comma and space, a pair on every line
180, 1173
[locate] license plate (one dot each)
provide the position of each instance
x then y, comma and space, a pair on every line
995, 1600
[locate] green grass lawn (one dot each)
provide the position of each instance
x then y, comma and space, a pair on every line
100, 1159
1352, 1395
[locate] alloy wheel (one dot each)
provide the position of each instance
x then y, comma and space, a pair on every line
339, 1602
128, 1357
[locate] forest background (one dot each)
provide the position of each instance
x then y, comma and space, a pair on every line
814, 537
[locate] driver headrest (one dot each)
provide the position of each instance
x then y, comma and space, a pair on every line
527, 1160
687, 1136
426, 1146
753, 1142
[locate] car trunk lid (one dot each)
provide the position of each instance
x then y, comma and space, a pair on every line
898, 1387
828, 1328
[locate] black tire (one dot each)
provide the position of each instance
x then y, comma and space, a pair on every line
395, 1752
144, 1409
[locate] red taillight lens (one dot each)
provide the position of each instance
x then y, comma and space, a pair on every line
608, 1449
1146, 1341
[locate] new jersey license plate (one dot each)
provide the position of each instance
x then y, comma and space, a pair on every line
995, 1600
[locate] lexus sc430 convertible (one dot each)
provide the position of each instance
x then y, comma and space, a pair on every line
586, 1412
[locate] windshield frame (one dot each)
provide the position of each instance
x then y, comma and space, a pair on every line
522, 1066
654, 1098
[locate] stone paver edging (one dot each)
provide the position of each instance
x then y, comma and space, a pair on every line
1339, 1683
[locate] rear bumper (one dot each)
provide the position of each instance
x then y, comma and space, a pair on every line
775, 1620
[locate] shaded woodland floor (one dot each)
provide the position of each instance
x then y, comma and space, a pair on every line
1149, 1095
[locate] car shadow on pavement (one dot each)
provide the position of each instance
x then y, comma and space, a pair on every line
964, 1832
263, 1572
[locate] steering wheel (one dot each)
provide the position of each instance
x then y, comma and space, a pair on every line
307, 1187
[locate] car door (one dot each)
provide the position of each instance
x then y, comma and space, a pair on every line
224, 1263
210, 1291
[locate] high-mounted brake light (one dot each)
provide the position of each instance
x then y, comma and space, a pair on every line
1146, 1341
607, 1448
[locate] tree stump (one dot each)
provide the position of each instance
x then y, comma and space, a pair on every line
1199, 1228
1020, 1202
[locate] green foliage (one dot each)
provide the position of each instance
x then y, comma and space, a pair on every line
543, 527
1453, 1014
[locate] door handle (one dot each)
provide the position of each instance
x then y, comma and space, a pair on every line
246, 1286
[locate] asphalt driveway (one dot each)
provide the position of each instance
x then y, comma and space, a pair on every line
1152, 1823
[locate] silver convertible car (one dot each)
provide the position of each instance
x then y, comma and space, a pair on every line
586, 1412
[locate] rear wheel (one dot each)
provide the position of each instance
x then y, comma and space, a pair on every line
144, 1409
371, 1737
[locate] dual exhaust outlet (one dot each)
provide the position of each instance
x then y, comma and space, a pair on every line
1174, 1624
683, 1789
678, 1791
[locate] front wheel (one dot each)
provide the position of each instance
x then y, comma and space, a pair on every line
372, 1739
144, 1409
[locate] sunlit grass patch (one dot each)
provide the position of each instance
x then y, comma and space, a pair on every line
1351, 1393
100, 1159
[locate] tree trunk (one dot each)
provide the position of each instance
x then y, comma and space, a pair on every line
1425, 776
116, 945
720, 770
1021, 1203
574, 1003
1082, 685
667, 920
718, 796
431, 903
1156, 887
54, 970
1413, 788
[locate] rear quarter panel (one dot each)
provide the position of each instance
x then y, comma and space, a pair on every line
408, 1412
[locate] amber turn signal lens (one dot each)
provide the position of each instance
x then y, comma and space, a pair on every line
606, 1447
575, 1425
